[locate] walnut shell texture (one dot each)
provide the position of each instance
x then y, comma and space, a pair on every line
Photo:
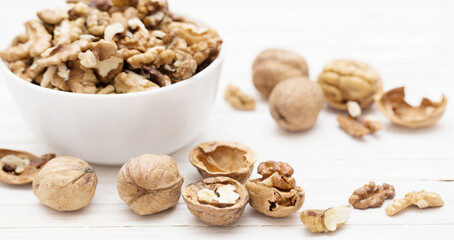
150, 183
213, 215
272, 201
393, 105
36, 164
65, 184
222, 158
346, 80
295, 103
275, 65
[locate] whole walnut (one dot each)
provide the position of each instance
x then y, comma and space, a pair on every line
295, 103
65, 184
275, 65
345, 81
150, 183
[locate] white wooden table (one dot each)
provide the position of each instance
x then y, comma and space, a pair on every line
409, 42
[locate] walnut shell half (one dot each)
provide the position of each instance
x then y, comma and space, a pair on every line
272, 201
221, 158
393, 105
218, 215
8, 174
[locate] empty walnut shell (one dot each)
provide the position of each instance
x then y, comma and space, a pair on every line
272, 201
228, 159
211, 214
393, 105
150, 183
9, 176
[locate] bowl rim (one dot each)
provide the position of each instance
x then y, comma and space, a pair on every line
163, 90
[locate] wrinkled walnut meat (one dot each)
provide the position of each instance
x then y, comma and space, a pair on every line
358, 127
222, 158
393, 105
276, 193
422, 199
217, 200
329, 220
239, 99
348, 80
371, 195
18, 167
122, 46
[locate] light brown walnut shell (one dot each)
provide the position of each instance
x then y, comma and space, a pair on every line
7, 173
275, 65
211, 214
150, 183
346, 80
393, 105
222, 158
65, 184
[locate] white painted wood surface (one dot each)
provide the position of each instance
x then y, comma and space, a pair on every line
410, 43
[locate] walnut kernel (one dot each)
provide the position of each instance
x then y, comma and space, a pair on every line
371, 195
422, 199
358, 127
239, 99
329, 220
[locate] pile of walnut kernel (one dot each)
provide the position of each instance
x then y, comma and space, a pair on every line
105, 47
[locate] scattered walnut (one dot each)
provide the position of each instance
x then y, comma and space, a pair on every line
329, 220
68, 31
393, 105
239, 99
157, 56
109, 89
54, 16
275, 65
156, 76
97, 22
149, 183
222, 158
81, 79
358, 127
18, 167
63, 53
216, 201
276, 193
295, 103
104, 58
129, 81
422, 199
348, 80
371, 195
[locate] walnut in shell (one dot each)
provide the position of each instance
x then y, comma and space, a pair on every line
149, 183
222, 158
65, 184
295, 103
393, 105
275, 65
329, 220
19, 167
276, 193
348, 80
216, 201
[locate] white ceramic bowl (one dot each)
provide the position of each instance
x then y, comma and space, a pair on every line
110, 129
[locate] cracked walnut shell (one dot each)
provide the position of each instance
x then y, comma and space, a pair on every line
348, 80
295, 103
329, 220
65, 184
393, 105
276, 193
371, 195
19, 167
215, 213
149, 183
275, 65
422, 199
222, 158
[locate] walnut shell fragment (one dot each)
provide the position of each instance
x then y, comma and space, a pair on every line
276, 193
65, 184
393, 105
329, 220
222, 158
422, 199
149, 183
238, 99
358, 127
212, 213
30, 164
371, 195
